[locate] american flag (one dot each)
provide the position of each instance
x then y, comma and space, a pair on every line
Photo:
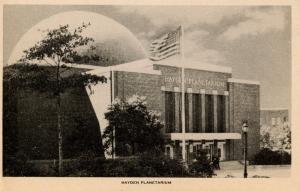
166, 46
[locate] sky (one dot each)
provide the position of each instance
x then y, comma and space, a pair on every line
255, 41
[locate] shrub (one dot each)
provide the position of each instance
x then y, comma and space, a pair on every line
152, 164
268, 157
144, 165
17, 165
141, 168
85, 160
87, 164
120, 168
162, 165
201, 167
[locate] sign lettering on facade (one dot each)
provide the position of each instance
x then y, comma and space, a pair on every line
197, 81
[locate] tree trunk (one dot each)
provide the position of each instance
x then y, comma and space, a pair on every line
59, 128
133, 148
114, 144
60, 139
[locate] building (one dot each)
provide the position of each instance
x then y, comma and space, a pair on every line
274, 116
215, 107
215, 104
275, 130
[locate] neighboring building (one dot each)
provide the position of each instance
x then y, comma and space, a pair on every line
275, 130
215, 104
274, 116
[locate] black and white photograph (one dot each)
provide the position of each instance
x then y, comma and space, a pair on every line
157, 91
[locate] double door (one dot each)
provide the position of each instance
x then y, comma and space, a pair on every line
207, 149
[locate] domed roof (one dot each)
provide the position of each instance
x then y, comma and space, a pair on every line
115, 44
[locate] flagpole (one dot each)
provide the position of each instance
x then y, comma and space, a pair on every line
112, 99
164, 48
182, 95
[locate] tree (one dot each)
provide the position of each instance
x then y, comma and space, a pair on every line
277, 137
136, 128
58, 46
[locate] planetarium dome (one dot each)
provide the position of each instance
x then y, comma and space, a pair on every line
114, 43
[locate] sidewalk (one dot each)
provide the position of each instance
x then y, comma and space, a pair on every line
235, 169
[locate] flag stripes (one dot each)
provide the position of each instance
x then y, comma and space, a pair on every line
166, 46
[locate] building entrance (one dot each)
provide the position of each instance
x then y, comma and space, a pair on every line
197, 149
209, 151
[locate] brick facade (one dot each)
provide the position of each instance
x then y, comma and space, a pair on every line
130, 83
244, 105
241, 102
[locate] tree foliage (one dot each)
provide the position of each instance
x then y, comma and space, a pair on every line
277, 137
136, 128
42, 78
58, 45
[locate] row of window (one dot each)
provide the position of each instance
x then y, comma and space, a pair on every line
196, 119
274, 121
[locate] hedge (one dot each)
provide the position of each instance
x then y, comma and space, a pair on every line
268, 157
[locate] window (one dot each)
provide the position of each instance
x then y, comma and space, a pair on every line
173, 117
209, 114
221, 113
179, 117
273, 122
278, 120
186, 112
169, 112
197, 113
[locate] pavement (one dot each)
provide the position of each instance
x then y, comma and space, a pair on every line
234, 169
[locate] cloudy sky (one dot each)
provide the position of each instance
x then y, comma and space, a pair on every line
254, 41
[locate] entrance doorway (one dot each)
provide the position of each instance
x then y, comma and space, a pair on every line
196, 149
221, 151
208, 150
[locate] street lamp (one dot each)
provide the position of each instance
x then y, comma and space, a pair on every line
245, 131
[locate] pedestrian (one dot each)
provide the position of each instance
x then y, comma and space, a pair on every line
218, 163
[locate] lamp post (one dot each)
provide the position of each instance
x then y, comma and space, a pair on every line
245, 131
